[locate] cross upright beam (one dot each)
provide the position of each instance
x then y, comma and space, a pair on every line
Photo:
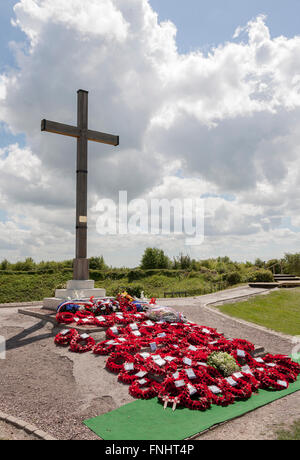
83, 135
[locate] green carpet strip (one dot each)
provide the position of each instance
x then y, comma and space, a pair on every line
147, 420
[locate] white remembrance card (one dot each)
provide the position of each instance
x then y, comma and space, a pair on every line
282, 383
175, 375
163, 334
192, 348
114, 330
241, 353
179, 383
141, 374
133, 327
129, 367
259, 360
206, 331
202, 364
169, 358
149, 323
270, 364
192, 390
101, 318
190, 373
187, 361
84, 336
136, 333
145, 355
160, 362
65, 332
142, 381
231, 382
237, 375
215, 389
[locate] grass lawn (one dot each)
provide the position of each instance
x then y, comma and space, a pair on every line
290, 435
279, 310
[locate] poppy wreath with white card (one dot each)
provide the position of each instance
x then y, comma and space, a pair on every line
196, 397
82, 343
218, 394
104, 321
237, 387
105, 347
283, 362
144, 388
114, 332
274, 380
132, 371
65, 337
115, 362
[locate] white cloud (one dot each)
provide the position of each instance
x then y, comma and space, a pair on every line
220, 125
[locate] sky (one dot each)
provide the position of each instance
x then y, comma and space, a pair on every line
204, 95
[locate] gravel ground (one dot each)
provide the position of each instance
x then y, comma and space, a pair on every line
56, 390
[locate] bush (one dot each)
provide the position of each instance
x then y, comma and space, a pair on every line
155, 258
223, 362
260, 276
134, 290
233, 278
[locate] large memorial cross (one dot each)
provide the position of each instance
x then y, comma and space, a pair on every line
83, 135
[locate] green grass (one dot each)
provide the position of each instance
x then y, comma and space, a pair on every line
293, 434
279, 310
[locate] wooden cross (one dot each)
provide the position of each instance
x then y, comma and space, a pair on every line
83, 135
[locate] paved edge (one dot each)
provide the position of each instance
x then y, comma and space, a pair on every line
34, 303
30, 429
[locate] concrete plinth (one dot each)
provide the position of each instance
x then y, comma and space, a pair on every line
76, 289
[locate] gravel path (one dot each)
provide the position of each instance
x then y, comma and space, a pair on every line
56, 390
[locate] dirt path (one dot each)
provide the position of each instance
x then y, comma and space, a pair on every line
56, 390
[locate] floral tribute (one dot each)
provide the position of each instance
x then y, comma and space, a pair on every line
181, 363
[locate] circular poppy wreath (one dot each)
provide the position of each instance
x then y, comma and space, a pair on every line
146, 390
77, 347
203, 402
130, 376
65, 338
65, 317
115, 362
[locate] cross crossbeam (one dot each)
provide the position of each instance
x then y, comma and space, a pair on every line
74, 131
83, 135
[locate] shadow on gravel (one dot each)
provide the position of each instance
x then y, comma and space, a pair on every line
20, 339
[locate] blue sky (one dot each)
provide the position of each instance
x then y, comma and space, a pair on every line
202, 23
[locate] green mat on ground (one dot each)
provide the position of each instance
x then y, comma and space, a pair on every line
147, 420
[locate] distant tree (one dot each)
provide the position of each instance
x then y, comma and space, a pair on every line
97, 263
292, 263
5, 265
27, 265
154, 258
259, 263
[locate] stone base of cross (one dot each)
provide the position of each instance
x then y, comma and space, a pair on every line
80, 286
